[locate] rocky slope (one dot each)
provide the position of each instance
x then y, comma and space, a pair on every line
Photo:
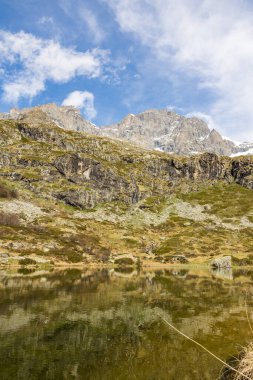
64, 117
154, 129
83, 198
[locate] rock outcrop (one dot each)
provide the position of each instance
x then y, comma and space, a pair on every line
222, 262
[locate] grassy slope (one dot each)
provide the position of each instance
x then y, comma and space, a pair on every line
211, 219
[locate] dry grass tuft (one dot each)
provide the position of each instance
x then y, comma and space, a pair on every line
11, 220
7, 193
246, 364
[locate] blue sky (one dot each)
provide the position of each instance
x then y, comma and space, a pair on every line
114, 57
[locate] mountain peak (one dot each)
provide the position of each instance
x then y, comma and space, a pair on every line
66, 117
167, 131
152, 129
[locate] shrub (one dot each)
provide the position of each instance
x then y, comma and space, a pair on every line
27, 261
7, 219
8, 193
73, 257
124, 261
102, 254
25, 271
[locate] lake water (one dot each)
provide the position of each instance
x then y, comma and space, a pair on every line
105, 324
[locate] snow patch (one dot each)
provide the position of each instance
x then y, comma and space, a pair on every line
237, 143
194, 152
248, 152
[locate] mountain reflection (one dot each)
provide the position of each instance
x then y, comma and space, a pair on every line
105, 324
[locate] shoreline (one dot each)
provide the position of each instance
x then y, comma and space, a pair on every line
143, 265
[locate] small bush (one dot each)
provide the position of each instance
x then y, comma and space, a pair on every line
124, 261
25, 271
246, 261
102, 254
73, 257
27, 261
7, 193
7, 219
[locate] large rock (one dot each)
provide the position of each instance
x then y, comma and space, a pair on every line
222, 262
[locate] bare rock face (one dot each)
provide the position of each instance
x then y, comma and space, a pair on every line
65, 117
207, 166
104, 185
242, 172
70, 118
222, 262
166, 131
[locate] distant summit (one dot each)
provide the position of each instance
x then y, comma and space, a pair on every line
65, 117
153, 129
169, 132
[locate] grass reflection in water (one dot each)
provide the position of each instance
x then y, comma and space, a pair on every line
105, 325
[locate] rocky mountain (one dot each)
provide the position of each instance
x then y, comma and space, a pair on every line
68, 196
65, 117
154, 129
169, 132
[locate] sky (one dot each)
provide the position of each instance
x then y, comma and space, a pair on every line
110, 58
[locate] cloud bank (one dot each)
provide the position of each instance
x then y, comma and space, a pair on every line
83, 100
28, 62
210, 41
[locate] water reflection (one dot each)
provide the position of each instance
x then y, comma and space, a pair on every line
222, 272
105, 324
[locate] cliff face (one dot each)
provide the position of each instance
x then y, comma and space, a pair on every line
77, 197
161, 130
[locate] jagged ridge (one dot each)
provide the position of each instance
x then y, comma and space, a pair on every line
154, 129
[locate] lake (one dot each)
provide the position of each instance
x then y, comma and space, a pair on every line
106, 324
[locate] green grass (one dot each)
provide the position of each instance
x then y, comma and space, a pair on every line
226, 200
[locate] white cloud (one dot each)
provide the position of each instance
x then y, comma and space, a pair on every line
210, 40
83, 100
84, 16
92, 23
44, 20
36, 61
26, 87
203, 116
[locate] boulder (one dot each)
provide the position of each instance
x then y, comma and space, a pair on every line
222, 262
4, 258
179, 259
